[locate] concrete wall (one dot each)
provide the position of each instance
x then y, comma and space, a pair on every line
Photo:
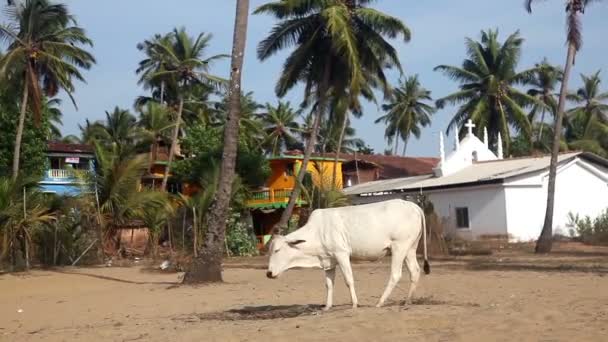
486, 210
580, 189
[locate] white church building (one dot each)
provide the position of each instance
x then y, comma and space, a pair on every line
478, 194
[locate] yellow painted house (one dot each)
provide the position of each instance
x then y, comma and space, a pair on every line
267, 204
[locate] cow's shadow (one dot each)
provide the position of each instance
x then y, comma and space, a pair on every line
272, 312
265, 312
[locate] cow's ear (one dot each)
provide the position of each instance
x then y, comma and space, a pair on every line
295, 243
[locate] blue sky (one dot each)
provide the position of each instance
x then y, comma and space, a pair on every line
439, 28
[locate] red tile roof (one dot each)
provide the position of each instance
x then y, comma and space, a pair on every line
56, 146
395, 166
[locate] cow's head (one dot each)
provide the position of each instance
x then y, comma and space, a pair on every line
285, 254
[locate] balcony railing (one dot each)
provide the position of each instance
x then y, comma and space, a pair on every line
65, 174
270, 196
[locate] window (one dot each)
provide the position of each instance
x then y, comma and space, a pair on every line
462, 218
475, 158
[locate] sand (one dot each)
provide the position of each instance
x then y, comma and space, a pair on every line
505, 297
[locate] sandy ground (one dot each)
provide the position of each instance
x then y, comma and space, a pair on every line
505, 297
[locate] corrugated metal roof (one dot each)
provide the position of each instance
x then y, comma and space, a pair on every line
483, 172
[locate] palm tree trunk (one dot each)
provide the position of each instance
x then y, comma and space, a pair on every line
405, 144
207, 267
19, 135
153, 154
173, 143
396, 146
162, 92
295, 194
545, 241
542, 125
194, 233
340, 139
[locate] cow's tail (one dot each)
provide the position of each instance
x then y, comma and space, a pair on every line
427, 266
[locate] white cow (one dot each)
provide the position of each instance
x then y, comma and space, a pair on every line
365, 232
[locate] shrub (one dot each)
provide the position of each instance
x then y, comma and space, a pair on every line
588, 230
240, 239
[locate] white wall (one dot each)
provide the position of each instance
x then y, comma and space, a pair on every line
486, 210
579, 189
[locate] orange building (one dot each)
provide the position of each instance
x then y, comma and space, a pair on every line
267, 204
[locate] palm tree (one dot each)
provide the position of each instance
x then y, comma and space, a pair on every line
544, 82
208, 266
574, 38
152, 64
179, 63
593, 108
53, 114
251, 130
336, 43
154, 124
118, 129
44, 54
407, 112
280, 125
333, 135
116, 186
22, 209
488, 95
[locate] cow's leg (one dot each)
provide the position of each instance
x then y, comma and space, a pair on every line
414, 269
398, 254
347, 271
330, 277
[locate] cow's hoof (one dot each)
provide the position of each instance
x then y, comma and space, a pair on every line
379, 305
326, 308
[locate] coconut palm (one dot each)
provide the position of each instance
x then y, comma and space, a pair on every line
336, 43
592, 107
280, 125
44, 54
349, 139
574, 38
154, 125
180, 64
545, 80
53, 114
488, 94
251, 130
22, 210
116, 188
152, 64
208, 266
407, 113
118, 129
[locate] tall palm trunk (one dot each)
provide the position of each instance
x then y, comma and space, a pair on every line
207, 267
338, 150
295, 194
542, 125
173, 143
396, 145
545, 241
405, 140
194, 233
19, 135
153, 154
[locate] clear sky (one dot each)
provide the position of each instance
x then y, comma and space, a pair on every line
438, 31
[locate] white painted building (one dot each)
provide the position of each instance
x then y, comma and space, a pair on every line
479, 194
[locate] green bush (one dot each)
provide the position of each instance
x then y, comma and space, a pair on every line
240, 239
588, 230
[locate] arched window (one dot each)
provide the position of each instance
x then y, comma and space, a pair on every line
475, 156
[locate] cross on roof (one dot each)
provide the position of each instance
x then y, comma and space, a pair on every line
470, 125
